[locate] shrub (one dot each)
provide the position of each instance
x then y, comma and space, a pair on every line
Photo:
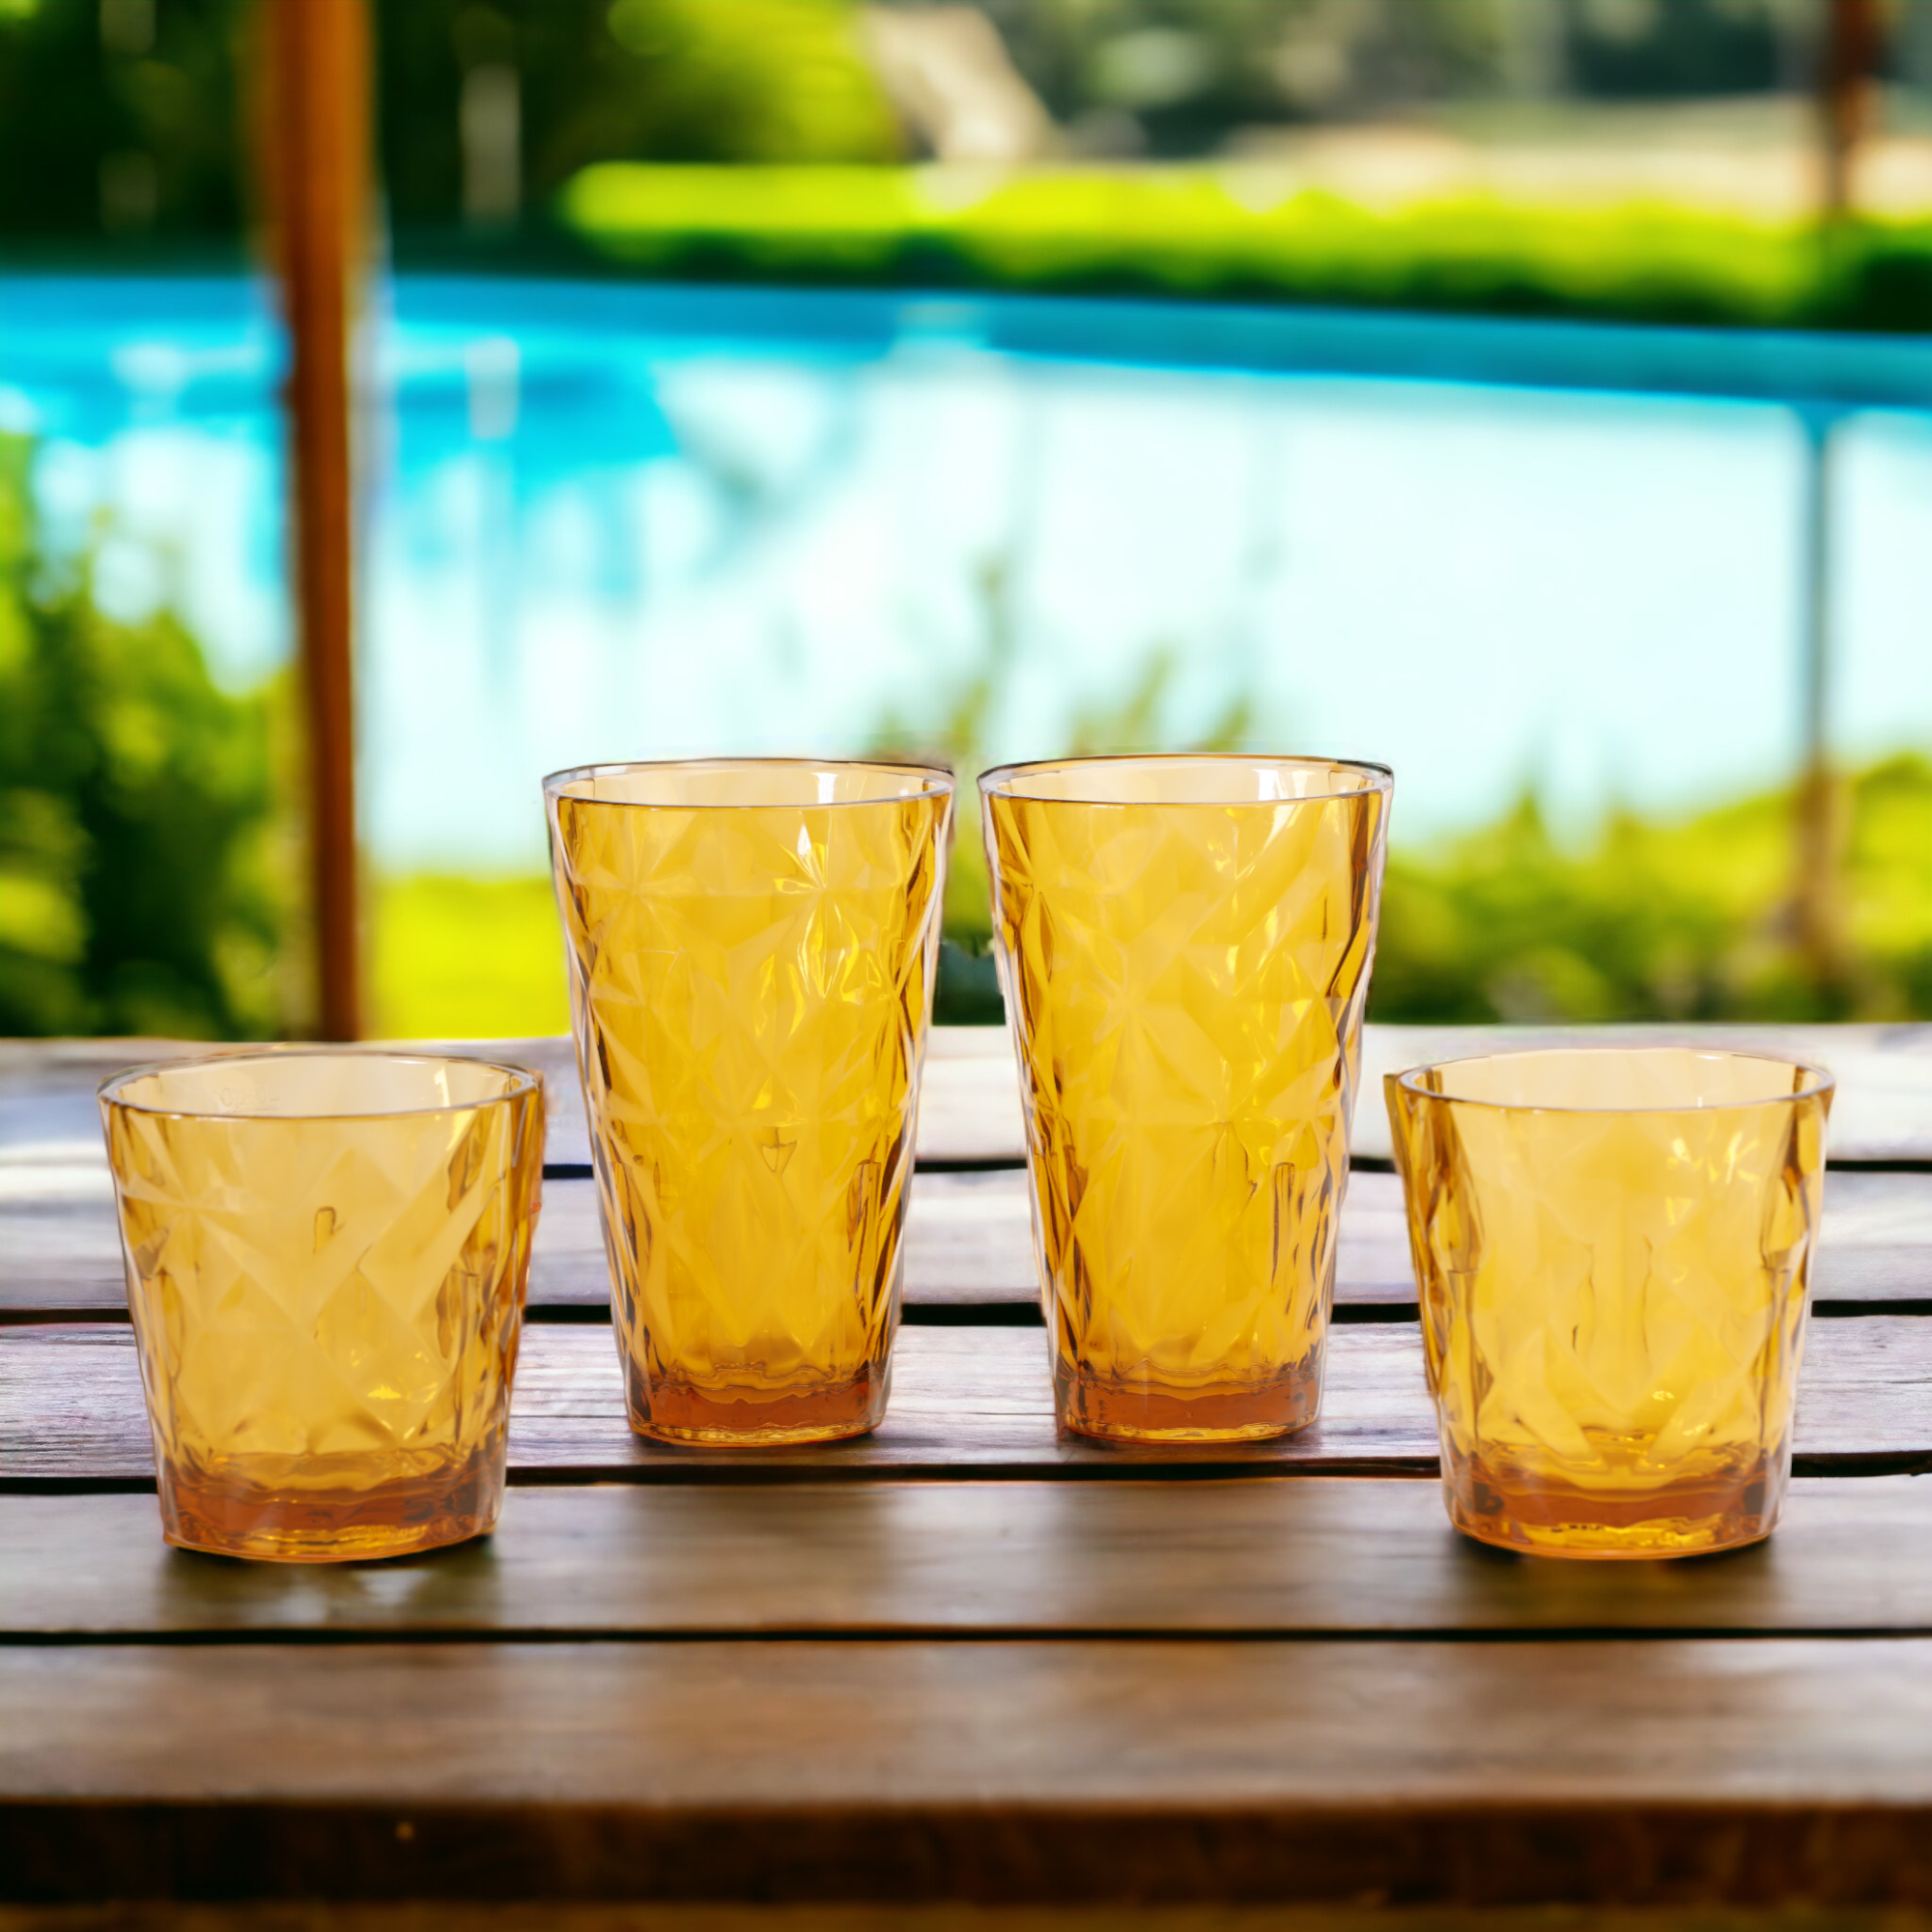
137, 810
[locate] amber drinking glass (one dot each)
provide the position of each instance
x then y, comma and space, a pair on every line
1612, 1248
753, 944
326, 1254
1184, 944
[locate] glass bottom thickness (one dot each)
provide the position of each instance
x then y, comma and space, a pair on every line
1118, 1410
254, 1507
756, 1418
1543, 1514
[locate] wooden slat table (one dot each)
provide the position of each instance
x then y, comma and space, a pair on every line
965, 1659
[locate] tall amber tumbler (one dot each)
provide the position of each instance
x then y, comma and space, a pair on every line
326, 1256
753, 944
1185, 945
1612, 1248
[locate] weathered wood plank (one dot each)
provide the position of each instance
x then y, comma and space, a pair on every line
965, 1402
969, 1241
1875, 1240
970, 1108
1328, 1556
1477, 1773
968, 1103
47, 1087
1882, 1111
496, 1916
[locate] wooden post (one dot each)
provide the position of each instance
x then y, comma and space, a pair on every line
317, 140
1849, 59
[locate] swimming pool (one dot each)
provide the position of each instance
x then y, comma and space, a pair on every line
611, 519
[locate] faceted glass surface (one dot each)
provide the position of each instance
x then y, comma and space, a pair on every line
1185, 947
752, 946
1612, 1248
327, 1257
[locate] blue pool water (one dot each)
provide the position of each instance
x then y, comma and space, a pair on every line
610, 520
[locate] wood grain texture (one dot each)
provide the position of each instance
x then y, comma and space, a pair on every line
50, 1118
968, 1239
969, 1104
1311, 1558
965, 1402
1476, 1773
969, 1242
1882, 1111
495, 1915
1283, 1700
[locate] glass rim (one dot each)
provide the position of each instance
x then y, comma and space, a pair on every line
1818, 1082
943, 783
522, 1080
1381, 778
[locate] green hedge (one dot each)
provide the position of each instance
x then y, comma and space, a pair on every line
1689, 921
139, 883
1217, 232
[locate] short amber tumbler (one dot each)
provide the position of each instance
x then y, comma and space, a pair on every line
326, 1254
1612, 1248
753, 944
1185, 944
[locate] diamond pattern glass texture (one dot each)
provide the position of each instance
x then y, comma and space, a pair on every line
1185, 946
1612, 1248
752, 946
326, 1256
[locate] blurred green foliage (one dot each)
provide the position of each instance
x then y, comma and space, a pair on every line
1686, 921
1218, 231
129, 114
1187, 71
754, 138
675, 80
137, 812
121, 116
139, 875
1683, 922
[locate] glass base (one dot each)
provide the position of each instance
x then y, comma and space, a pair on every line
1112, 1412
1544, 1515
227, 1514
736, 1418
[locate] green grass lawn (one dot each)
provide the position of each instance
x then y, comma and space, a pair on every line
466, 959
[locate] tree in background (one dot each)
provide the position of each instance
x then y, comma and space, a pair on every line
137, 810
123, 119
120, 117
559, 84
